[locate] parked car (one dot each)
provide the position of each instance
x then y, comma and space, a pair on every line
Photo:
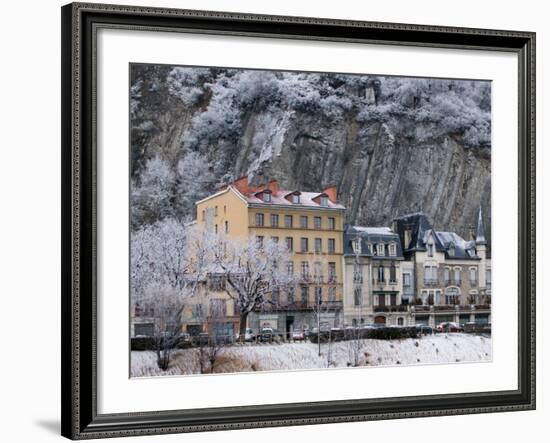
248, 335
202, 339
449, 326
266, 335
424, 329
298, 335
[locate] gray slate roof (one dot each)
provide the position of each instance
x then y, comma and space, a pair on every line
373, 235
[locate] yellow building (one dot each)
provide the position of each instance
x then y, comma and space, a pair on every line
311, 226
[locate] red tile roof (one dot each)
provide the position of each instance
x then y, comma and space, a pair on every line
253, 194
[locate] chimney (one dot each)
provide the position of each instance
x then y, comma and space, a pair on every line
241, 184
273, 186
332, 193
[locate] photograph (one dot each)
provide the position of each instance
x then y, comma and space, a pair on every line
291, 221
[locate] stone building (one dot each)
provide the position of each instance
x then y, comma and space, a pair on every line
373, 259
450, 276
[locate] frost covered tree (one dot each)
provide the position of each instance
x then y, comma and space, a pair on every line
168, 262
195, 181
256, 272
153, 193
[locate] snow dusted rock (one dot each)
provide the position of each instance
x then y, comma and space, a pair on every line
438, 349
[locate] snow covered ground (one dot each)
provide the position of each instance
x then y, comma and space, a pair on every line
437, 349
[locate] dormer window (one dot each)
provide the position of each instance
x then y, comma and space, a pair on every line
356, 245
324, 201
430, 250
452, 250
392, 250
266, 197
380, 249
295, 198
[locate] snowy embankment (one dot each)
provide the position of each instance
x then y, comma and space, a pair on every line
437, 349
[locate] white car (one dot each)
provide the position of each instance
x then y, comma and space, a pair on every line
248, 335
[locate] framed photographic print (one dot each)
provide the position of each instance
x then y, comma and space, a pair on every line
273, 221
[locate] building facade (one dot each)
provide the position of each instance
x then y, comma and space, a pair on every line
373, 260
311, 226
450, 276
412, 274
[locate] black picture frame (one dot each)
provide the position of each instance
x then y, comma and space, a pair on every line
79, 172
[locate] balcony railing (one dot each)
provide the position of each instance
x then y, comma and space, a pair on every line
396, 308
431, 282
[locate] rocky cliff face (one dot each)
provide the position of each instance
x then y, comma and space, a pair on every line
384, 161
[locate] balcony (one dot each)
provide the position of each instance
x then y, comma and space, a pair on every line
430, 282
396, 308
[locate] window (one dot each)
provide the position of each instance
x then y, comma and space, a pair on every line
305, 270
304, 294
430, 275
275, 239
317, 222
276, 296
218, 308
451, 296
304, 244
331, 246
356, 245
226, 224
260, 240
357, 274
259, 219
215, 211
382, 300
488, 278
290, 296
274, 221
357, 296
393, 276
203, 215
198, 311
370, 247
447, 276
430, 250
392, 250
332, 272
266, 197
331, 223
288, 221
318, 272
224, 209
451, 250
318, 294
381, 273
393, 299
318, 245
216, 228
303, 221
295, 198
407, 279
457, 279
331, 294
216, 283
380, 249
290, 268
289, 244
400, 321
324, 201
473, 276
